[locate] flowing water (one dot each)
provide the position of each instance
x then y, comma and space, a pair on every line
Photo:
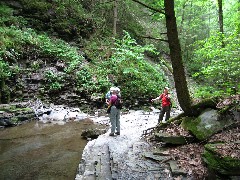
42, 151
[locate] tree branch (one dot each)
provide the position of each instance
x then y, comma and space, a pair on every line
158, 39
106, 2
149, 7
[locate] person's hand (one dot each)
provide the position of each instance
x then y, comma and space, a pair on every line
152, 100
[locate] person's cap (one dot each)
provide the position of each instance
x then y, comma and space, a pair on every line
112, 89
117, 89
166, 88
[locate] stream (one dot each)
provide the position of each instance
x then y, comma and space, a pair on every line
49, 148
52, 147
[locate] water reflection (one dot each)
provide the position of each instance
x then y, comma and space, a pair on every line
37, 150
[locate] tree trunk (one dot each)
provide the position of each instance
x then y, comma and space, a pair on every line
220, 19
176, 58
115, 19
183, 16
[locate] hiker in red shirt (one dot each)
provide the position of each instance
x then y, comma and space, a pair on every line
166, 104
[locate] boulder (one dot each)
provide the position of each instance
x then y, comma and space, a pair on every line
14, 114
207, 123
93, 133
227, 165
175, 170
154, 157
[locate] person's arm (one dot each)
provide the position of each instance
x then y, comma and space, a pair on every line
168, 96
108, 102
157, 98
107, 96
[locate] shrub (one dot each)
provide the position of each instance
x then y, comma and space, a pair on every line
219, 66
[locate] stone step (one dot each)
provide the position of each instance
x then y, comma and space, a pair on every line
103, 170
98, 166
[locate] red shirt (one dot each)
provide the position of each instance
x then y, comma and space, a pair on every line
165, 99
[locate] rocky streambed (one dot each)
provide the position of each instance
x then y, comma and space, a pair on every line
193, 148
124, 156
50, 145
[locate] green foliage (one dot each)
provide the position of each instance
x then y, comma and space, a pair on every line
66, 19
136, 77
88, 83
231, 16
5, 94
97, 49
7, 18
35, 65
53, 80
13, 38
73, 64
62, 50
5, 73
35, 5
14, 42
4, 70
219, 66
10, 41
5, 14
128, 67
78, 20
156, 4
204, 92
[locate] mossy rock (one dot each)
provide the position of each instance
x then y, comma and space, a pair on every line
12, 108
223, 165
191, 124
5, 94
11, 114
170, 139
206, 124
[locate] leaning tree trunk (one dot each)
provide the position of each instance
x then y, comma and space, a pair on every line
176, 58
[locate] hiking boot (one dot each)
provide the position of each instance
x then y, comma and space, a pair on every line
111, 134
117, 133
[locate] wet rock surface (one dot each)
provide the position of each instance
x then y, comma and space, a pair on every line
15, 114
123, 156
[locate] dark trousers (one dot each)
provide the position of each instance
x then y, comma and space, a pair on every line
164, 110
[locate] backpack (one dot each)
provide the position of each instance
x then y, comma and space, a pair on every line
118, 103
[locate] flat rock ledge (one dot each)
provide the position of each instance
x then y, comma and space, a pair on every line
123, 156
102, 163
